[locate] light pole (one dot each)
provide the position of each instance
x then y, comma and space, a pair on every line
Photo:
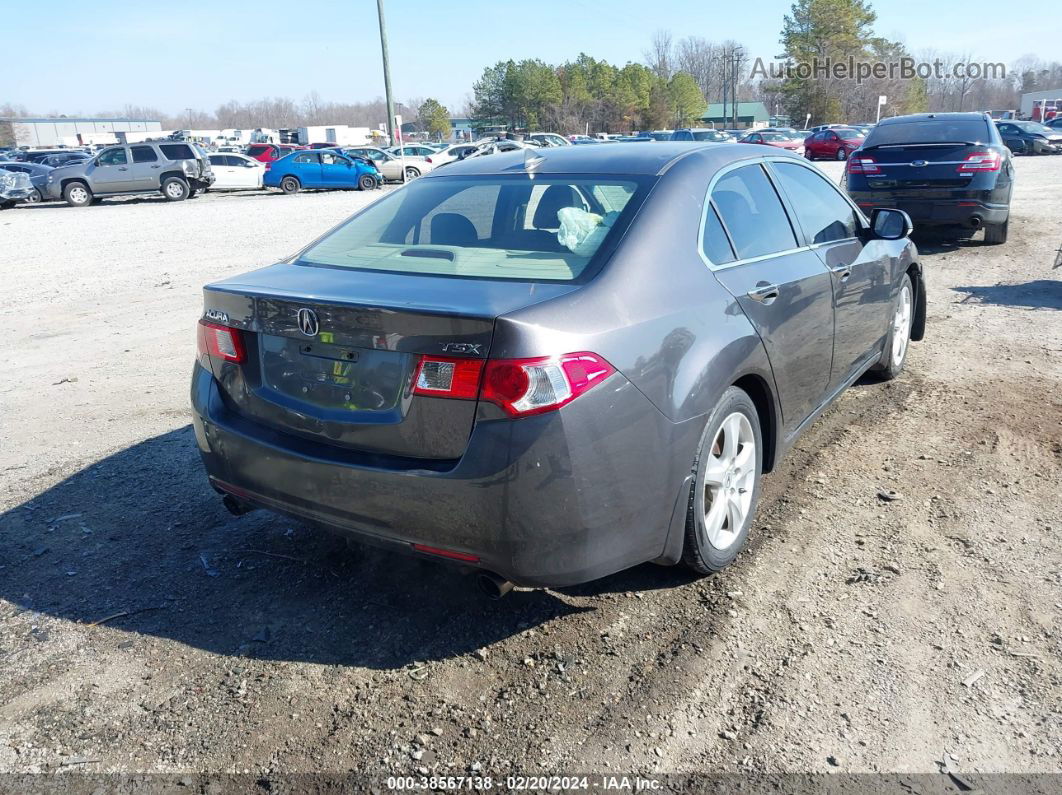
387, 74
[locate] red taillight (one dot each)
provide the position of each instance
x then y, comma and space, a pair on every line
532, 386
981, 161
862, 165
428, 159
220, 341
521, 387
443, 376
446, 553
268, 165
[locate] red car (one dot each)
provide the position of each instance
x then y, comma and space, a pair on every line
267, 153
835, 144
773, 139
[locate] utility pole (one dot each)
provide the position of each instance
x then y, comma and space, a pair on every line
387, 75
734, 81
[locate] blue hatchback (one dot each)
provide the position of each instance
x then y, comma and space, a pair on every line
322, 169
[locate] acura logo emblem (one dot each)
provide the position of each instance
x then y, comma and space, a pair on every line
307, 320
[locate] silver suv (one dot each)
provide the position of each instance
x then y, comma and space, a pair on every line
175, 169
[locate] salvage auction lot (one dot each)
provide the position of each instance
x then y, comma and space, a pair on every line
143, 628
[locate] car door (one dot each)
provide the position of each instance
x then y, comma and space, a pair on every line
224, 174
781, 285
110, 172
307, 167
337, 171
248, 171
1011, 136
859, 267
144, 169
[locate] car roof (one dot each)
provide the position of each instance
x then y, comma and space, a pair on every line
966, 116
621, 159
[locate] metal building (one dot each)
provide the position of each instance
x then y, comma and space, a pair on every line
72, 131
1038, 97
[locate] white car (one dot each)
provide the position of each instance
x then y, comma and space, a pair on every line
234, 171
412, 151
547, 139
450, 154
493, 147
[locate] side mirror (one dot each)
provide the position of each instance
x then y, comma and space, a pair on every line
889, 224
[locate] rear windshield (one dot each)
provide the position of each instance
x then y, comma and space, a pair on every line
492, 227
930, 131
257, 150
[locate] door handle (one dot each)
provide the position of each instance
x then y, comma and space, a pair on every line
122, 168
156, 166
765, 295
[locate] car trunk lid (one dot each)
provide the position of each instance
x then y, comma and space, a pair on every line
917, 167
331, 352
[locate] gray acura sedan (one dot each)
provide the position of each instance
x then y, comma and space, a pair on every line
555, 364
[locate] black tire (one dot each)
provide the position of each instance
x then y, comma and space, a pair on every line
34, 198
808, 155
412, 173
366, 182
192, 192
290, 185
699, 553
842, 154
890, 365
6, 205
77, 194
996, 234
175, 189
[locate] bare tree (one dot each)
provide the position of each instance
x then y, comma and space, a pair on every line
660, 55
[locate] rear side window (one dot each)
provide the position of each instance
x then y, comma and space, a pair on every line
753, 213
716, 245
144, 154
177, 151
494, 227
930, 131
821, 210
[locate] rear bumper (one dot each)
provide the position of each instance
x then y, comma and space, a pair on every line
970, 213
550, 500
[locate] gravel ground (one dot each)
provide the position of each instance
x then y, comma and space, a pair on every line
142, 628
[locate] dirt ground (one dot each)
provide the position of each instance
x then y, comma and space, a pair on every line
143, 628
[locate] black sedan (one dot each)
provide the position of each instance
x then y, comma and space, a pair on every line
945, 170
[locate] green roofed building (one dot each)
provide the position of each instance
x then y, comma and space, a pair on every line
749, 114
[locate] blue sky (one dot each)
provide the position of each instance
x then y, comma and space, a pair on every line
88, 57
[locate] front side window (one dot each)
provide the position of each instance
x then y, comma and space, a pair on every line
752, 212
494, 227
821, 210
113, 157
332, 159
307, 157
144, 154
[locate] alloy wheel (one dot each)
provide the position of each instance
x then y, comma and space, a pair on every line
901, 324
729, 480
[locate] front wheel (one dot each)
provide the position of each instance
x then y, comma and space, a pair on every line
366, 182
412, 173
77, 194
890, 365
34, 198
175, 189
290, 185
995, 234
726, 484
842, 154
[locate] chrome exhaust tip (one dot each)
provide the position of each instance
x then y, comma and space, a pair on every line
492, 585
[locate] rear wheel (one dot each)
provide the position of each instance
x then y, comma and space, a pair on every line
366, 182
175, 189
893, 357
77, 194
290, 185
996, 233
726, 484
